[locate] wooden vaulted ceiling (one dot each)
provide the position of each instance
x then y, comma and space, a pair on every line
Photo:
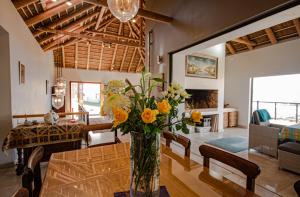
272, 35
83, 34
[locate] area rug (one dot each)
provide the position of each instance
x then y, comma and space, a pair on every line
231, 144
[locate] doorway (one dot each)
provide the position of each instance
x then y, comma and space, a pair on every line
86, 95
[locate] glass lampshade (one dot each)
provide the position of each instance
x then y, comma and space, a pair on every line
58, 101
61, 82
124, 10
59, 90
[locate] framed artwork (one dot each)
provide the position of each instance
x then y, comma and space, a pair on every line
202, 66
21, 73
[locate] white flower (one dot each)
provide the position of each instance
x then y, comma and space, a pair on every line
184, 94
176, 86
164, 93
177, 97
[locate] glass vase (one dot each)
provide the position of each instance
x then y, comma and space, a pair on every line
145, 164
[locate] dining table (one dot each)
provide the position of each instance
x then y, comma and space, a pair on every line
105, 170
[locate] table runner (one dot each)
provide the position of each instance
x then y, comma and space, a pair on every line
42, 134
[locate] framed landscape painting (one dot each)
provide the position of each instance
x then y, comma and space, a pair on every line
202, 66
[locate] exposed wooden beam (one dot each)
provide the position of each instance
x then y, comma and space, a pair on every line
101, 13
243, 41
51, 12
143, 13
271, 35
123, 59
76, 55
57, 45
230, 48
65, 19
111, 34
70, 27
101, 55
297, 25
131, 30
60, 38
63, 56
113, 58
131, 61
88, 57
95, 38
245, 38
21, 3
138, 66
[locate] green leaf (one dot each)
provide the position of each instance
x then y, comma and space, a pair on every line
147, 129
158, 80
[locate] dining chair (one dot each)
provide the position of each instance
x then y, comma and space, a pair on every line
297, 187
32, 173
185, 142
250, 169
101, 128
21, 192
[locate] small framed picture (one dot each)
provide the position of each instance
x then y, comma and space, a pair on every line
21, 73
47, 87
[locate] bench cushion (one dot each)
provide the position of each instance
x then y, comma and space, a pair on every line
291, 147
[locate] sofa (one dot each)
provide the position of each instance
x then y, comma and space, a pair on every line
263, 136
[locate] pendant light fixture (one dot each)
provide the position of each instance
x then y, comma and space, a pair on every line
60, 86
124, 10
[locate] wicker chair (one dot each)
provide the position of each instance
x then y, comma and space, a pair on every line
263, 136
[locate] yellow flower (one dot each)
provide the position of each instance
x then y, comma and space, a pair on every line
197, 116
120, 116
164, 107
149, 116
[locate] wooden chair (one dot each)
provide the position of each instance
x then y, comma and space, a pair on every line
99, 127
297, 187
32, 173
22, 192
250, 169
185, 142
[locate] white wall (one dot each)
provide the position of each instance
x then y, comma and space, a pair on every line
95, 76
178, 74
30, 97
279, 59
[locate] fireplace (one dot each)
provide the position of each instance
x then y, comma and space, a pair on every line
201, 99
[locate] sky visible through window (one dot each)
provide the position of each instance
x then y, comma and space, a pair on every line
283, 88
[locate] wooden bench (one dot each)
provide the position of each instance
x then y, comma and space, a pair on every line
250, 169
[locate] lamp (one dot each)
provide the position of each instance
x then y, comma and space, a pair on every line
124, 10
58, 101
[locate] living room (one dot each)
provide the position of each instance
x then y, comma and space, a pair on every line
66, 56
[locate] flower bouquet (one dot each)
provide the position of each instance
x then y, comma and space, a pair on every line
144, 116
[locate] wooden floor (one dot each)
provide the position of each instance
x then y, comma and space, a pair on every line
271, 181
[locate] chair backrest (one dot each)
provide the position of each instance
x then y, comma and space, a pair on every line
22, 192
99, 127
185, 142
250, 169
31, 178
297, 187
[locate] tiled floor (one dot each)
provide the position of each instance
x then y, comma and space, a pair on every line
271, 181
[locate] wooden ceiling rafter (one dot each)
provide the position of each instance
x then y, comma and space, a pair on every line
278, 33
271, 35
143, 13
22, 3
131, 60
48, 13
66, 18
297, 25
68, 29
